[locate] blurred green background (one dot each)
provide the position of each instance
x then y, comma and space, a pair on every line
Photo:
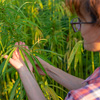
44, 25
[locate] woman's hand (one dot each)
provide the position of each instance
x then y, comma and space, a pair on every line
16, 60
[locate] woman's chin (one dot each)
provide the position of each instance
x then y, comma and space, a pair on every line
92, 46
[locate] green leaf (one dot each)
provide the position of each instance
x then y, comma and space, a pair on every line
73, 52
10, 70
37, 61
57, 87
13, 91
27, 22
44, 58
38, 42
76, 60
23, 5
5, 54
52, 93
22, 55
77, 57
49, 52
1, 66
32, 61
21, 91
5, 66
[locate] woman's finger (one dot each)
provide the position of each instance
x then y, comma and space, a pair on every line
17, 65
16, 54
23, 44
16, 43
11, 61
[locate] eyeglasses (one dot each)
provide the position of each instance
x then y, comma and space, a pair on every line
76, 24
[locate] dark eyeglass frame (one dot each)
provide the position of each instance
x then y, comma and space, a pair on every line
74, 23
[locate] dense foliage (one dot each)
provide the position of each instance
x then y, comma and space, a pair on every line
44, 25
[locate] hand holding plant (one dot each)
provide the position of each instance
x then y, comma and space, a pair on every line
16, 61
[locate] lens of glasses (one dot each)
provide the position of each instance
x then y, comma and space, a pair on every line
76, 25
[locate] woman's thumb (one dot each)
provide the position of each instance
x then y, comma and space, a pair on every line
6, 56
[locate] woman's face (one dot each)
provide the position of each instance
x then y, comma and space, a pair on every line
90, 33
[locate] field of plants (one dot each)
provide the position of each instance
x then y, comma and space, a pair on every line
44, 25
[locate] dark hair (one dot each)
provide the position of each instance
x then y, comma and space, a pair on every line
91, 6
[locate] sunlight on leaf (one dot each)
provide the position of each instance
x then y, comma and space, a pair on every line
73, 52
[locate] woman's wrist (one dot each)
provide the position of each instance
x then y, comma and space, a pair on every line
22, 69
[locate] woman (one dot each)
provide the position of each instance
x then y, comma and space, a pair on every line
88, 22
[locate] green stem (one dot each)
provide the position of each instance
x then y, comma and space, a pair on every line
92, 58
